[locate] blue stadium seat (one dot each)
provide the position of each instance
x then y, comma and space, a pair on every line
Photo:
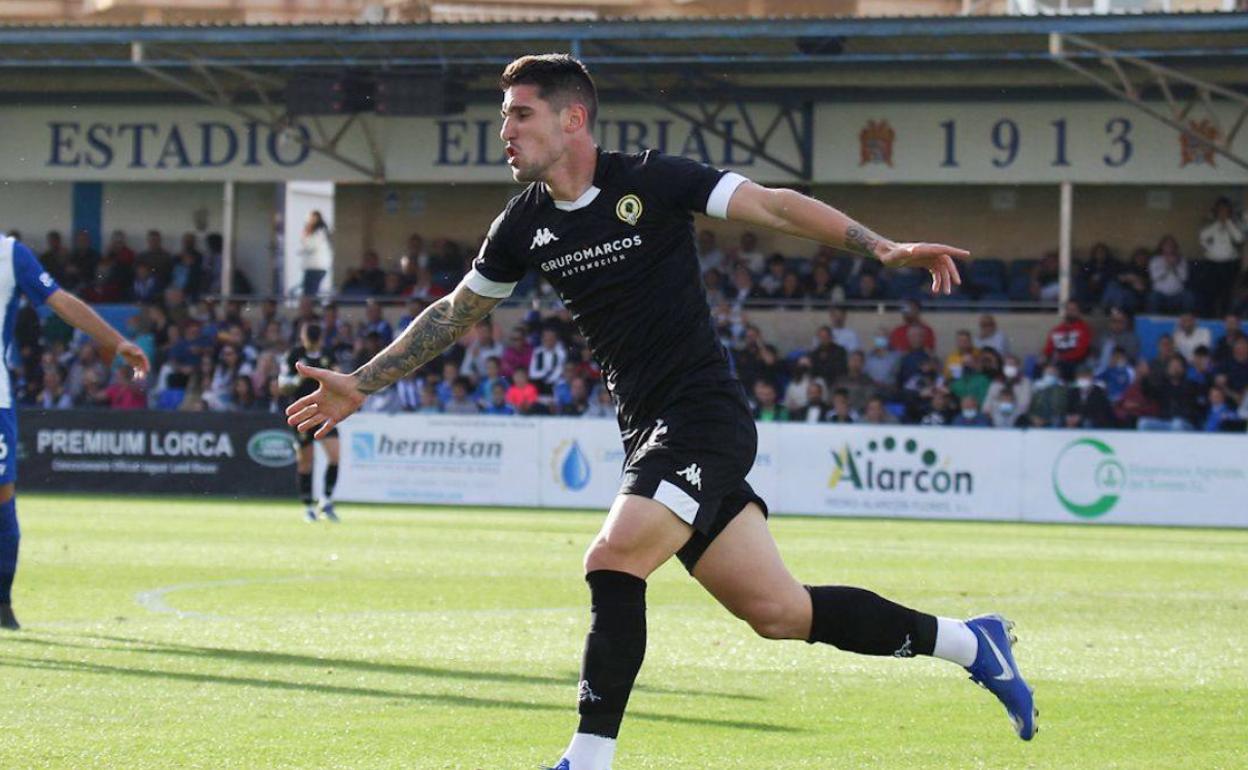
1022, 266
985, 276
1020, 288
907, 283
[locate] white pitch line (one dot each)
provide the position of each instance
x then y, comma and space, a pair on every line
154, 600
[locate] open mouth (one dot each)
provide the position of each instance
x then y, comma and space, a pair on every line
511, 154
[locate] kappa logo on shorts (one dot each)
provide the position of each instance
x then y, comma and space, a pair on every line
660, 430
542, 237
692, 474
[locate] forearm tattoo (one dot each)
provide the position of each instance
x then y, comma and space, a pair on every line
861, 240
432, 332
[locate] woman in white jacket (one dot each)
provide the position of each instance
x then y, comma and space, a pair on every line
317, 253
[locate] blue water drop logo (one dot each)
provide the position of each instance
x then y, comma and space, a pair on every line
575, 469
363, 446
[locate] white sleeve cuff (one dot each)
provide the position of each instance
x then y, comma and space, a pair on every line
479, 284
717, 204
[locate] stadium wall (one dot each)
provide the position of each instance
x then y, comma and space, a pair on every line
887, 471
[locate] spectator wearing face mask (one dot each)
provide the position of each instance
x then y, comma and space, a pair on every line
970, 416
882, 362
1087, 405
1048, 400
1012, 380
1003, 410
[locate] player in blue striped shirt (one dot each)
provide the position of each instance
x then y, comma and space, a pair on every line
20, 272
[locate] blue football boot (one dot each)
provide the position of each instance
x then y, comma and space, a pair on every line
995, 670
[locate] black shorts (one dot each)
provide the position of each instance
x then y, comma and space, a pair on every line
694, 460
305, 439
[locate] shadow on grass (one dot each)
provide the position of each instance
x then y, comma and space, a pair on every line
444, 699
348, 664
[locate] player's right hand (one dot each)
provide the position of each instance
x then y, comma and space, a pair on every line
335, 399
133, 355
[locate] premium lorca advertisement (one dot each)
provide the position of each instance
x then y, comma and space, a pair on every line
176, 453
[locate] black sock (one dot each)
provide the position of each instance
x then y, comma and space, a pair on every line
614, 649
331, 479
305, 488
10, 537
857, 620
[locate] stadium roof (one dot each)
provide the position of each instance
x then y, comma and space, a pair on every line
891, 57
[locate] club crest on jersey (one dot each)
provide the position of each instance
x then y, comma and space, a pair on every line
542, 237
629, 209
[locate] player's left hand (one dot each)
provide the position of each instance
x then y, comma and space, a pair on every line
935, 258
133, 355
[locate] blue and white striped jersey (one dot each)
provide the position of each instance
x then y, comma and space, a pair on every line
19, 270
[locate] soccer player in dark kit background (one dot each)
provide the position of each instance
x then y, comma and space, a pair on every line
613, 233
311, 352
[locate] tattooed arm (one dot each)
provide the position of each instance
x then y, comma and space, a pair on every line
432, 332
340, 395
792, 213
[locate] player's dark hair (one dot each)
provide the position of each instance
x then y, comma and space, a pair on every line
313, 331
560, 80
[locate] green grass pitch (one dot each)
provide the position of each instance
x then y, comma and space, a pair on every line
204, 634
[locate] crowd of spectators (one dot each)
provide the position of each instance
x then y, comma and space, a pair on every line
1196, 381
119, 274
1156, 280
210, 356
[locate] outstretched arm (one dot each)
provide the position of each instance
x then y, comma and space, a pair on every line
432, 332
791, 212
79, 315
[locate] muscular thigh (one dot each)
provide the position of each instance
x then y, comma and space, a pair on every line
742, 568
638, 536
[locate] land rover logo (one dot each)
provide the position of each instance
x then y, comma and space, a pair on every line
272, 448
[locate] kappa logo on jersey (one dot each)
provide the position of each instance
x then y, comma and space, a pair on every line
692, 474
46, 280
629, 209
542, 237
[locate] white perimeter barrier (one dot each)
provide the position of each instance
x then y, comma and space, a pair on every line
892, 471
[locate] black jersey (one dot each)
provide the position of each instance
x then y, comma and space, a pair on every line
623, 260
304, 385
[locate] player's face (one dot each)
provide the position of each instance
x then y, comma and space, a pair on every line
533, 131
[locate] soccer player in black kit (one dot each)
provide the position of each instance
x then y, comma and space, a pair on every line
613, 233
311, 352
